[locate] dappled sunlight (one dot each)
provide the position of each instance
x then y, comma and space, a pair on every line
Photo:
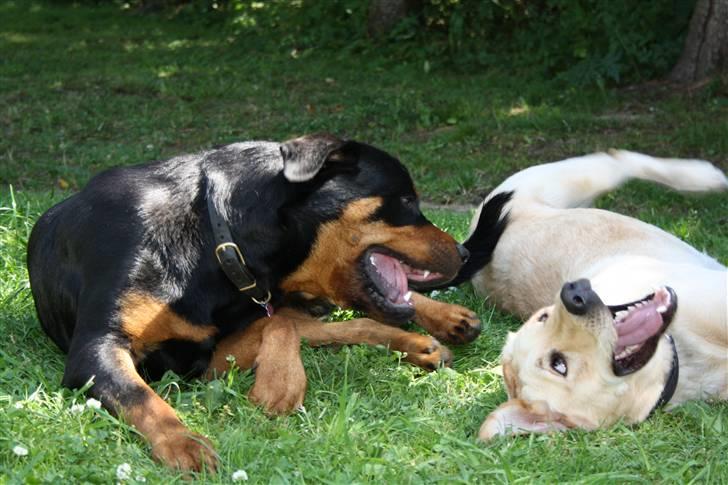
519, 110
179, 44
18, 38
167, 71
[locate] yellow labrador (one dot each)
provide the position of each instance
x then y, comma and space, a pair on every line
624, 316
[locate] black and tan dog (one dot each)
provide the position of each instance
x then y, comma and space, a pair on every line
179, 264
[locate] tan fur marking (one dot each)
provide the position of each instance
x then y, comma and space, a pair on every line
172, 443
148, 322
280, 380
242, 345
247, 346
331, 269
422, 350
337, 246
272, 346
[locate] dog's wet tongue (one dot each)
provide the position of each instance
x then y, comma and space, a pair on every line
391, 271
639, 325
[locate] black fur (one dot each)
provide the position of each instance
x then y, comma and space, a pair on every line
484, 239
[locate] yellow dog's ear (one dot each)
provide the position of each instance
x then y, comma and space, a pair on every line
517, 416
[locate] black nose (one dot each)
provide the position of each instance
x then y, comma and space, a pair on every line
578, 297
463, 252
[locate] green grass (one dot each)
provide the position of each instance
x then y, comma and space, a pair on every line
85, 88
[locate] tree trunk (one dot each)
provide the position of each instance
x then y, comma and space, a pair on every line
385, 14
706, 46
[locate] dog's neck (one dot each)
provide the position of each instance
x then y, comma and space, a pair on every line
668, 389
232, 262
655, 384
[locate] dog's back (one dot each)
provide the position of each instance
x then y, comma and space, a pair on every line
535, 229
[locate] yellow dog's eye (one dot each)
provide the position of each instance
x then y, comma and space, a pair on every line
558, 363
543, 317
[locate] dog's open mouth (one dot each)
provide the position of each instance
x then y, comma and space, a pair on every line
389, 278
639, 326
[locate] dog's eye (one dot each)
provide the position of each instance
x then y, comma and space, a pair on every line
408, 200
543, 317
558, 363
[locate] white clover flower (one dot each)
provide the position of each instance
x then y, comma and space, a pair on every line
240, 476
20, 450
123, 471
140, 478
77, 408
434, 293
93, 403
19, 405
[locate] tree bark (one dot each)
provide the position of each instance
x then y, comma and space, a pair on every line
706, 46
385, 14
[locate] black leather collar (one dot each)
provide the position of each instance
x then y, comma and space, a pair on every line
232, 262
671, 383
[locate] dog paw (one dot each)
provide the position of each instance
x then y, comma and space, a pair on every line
186, 451
447, 322
464, 325
426, 352
454, 324
279, 389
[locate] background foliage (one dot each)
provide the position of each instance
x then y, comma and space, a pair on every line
577, 41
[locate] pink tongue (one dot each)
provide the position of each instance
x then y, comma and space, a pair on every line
390, 269
641, 324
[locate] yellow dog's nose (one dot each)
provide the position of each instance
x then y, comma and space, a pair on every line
578, 297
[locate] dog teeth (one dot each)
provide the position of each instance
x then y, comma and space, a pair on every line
628, 351
426, 273
620, 315
373, 261
661, 309
408, 296
664, 295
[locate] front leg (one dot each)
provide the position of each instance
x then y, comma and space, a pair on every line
447, 322
272, 347
421, 350
106, 360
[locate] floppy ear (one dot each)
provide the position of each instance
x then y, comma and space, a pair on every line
303, 157
517, 416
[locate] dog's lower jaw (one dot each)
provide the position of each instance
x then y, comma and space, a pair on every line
646, 385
